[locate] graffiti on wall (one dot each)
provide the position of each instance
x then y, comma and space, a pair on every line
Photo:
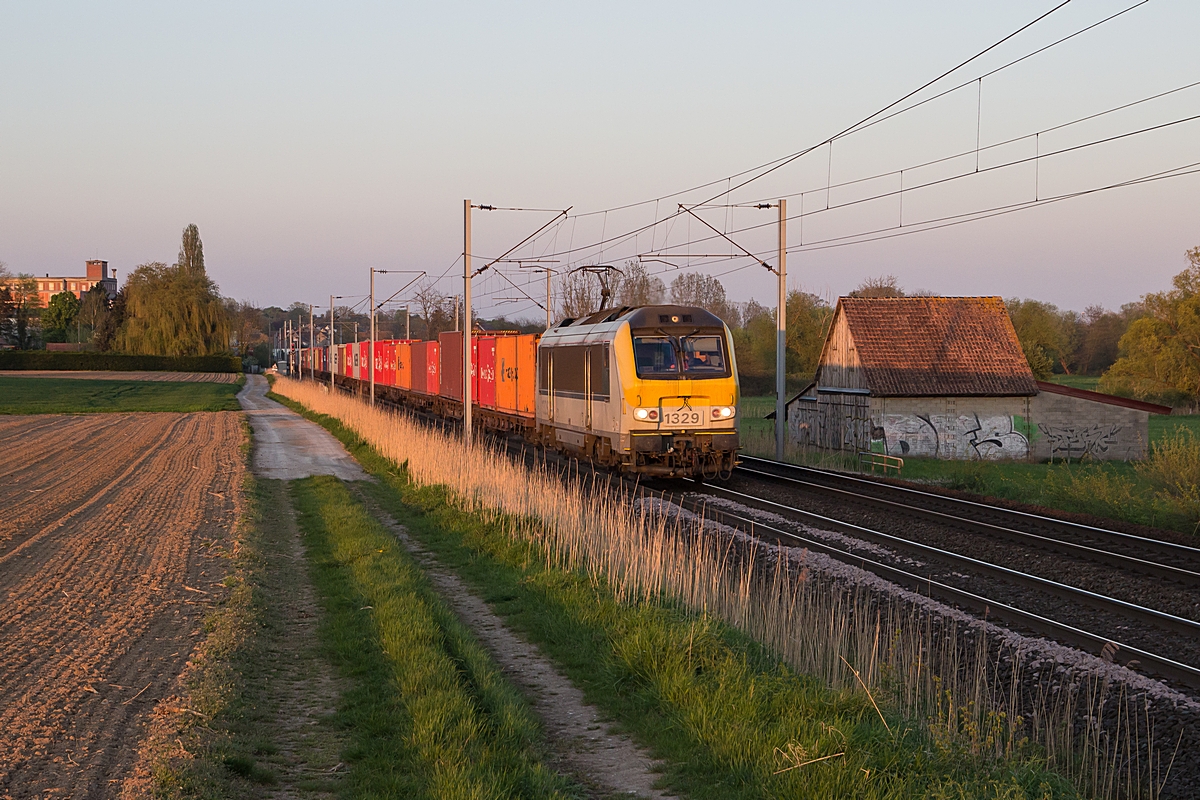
960, 436
1079, 441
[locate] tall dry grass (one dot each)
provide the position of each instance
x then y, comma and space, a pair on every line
972, 688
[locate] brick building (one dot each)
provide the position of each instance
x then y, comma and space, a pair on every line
97, 272
945, 377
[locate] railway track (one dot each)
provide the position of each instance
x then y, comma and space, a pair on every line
1160, 642
1078, 616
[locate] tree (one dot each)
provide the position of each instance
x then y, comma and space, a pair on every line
93, 310
579, 295
59, 316
173, 311
1100, 333
110, 324
191, 252
1048, 336
883, 286
705, 291
21, 307
1160, 352
638, 287
437, 312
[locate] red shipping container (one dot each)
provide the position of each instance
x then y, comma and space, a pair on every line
485, 370
451, 349
425, 367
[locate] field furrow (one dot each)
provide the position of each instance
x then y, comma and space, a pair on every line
104, 585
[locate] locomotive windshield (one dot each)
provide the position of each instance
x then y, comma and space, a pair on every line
697, 355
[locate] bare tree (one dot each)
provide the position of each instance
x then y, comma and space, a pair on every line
437, 310
579, 295
883, 286
638, 287
705, 291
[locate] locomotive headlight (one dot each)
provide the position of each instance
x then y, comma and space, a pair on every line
722, 412
645, 414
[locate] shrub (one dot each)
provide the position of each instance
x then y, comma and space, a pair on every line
41, 359
1174, 469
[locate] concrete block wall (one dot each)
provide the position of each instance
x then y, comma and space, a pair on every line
1073, 427
989, 428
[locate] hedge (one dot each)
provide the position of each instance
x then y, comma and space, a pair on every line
108, 362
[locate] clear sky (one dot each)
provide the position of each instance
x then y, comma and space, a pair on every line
311, 141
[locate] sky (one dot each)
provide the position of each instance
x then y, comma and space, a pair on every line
310, 142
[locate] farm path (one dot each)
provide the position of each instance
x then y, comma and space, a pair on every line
122, 375
606, 763
110, 555
287, 446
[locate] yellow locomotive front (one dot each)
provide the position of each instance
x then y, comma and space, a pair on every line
651, 390
680, 391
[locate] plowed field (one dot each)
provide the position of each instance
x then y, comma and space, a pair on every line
110, 529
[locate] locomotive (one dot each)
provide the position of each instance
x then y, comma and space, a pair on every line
650, 390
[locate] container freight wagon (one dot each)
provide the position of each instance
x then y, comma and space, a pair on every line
650, 390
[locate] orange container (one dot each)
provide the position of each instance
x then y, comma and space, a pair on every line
516, 374
404, 365
506, 374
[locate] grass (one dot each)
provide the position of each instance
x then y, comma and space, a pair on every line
1088, 382
19, 395
738, 677
428, 713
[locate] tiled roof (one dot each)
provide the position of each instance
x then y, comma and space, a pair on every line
937, 346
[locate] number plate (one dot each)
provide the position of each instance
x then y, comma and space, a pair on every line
683, 417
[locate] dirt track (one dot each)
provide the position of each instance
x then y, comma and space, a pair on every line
109, 540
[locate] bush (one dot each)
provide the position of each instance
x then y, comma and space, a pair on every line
41, 359
1174, 469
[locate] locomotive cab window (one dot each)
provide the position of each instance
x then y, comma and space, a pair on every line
654, 356
696, 355
703, 354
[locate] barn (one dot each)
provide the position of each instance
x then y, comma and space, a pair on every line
945, 377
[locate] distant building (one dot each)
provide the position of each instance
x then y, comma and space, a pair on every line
945, 377
97, 273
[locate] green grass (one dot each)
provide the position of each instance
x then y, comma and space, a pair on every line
20, 395
726, 716
1088, 382
427, 712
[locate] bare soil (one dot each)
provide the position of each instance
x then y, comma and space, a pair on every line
109, 558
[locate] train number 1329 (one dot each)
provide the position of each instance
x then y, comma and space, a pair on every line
681, 416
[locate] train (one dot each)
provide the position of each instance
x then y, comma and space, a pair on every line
648, 390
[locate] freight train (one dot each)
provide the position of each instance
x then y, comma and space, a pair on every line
651, 390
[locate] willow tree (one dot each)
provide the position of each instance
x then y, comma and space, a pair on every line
176, 310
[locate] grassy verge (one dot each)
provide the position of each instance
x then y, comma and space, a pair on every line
428, 714
729, 719
20, 395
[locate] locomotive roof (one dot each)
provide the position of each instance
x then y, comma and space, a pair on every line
649, 317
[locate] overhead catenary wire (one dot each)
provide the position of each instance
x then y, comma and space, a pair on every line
776, 164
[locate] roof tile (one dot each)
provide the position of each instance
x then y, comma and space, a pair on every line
937, 346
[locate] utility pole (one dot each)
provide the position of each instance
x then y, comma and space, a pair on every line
781, 337
549, 304
456, 312
467, 327
332, 371
312, 343
407, 322
371, 346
